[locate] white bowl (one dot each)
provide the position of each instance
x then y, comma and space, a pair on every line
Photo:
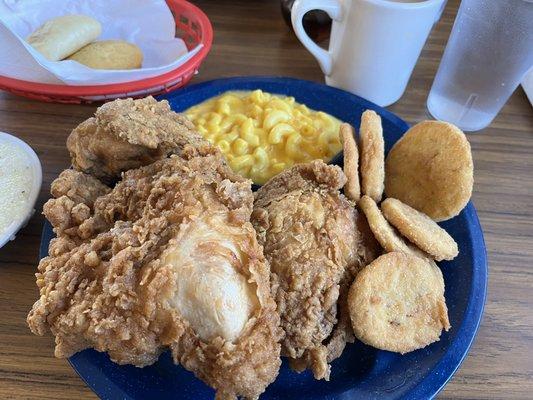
14, 227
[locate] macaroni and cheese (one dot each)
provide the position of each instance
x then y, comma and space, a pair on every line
261, 134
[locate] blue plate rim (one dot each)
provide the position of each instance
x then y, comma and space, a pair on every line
444, 370
474, 310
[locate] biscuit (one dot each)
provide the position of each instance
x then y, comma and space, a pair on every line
420, 230
60, 37
430, 169
372, 155
397, 303
109, 54
352, 189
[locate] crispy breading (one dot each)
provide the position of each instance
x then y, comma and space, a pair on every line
369, 249
430, 169
384, 233
352, 190
114, 282
372, 147
397, 303
342, 332
311, 239
75, 194
420, 230
79, 187
126, 134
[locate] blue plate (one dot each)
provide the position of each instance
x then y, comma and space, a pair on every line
362, 372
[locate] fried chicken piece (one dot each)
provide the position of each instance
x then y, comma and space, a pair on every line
78, 187
311, 239
167, 259
343, 331
126, 134
75, 194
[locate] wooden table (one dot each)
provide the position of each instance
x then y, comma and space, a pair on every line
251, 38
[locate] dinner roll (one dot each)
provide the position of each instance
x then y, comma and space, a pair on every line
60, 37
109, 54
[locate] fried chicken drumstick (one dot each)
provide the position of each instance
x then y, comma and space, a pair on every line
165, 259
312, 238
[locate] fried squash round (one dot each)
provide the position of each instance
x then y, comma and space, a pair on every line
372, 155
397, 303
420, 229
430, 168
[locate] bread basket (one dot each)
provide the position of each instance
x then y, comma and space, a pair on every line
192, 25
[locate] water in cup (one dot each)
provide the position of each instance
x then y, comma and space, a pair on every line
489, 52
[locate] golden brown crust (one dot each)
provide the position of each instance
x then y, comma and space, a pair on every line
385, 234
352, 189
430, 169
105, 285
368, 251
127, 134
146, 122
315, 175
420, 229
372, 155
79, 187
310, 238
342, 332
397, 303
75, 194
109, 54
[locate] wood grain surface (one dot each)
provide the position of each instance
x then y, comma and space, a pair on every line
251, 38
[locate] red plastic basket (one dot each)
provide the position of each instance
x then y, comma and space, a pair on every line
192, 25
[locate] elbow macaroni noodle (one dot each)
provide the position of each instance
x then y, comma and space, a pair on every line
261, 134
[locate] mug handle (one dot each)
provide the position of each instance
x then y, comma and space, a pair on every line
300, 7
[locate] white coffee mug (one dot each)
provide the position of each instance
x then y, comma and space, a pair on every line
374, 44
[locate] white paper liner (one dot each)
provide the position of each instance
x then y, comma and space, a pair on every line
147, 23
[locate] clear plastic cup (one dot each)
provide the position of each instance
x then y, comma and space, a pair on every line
489, 52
